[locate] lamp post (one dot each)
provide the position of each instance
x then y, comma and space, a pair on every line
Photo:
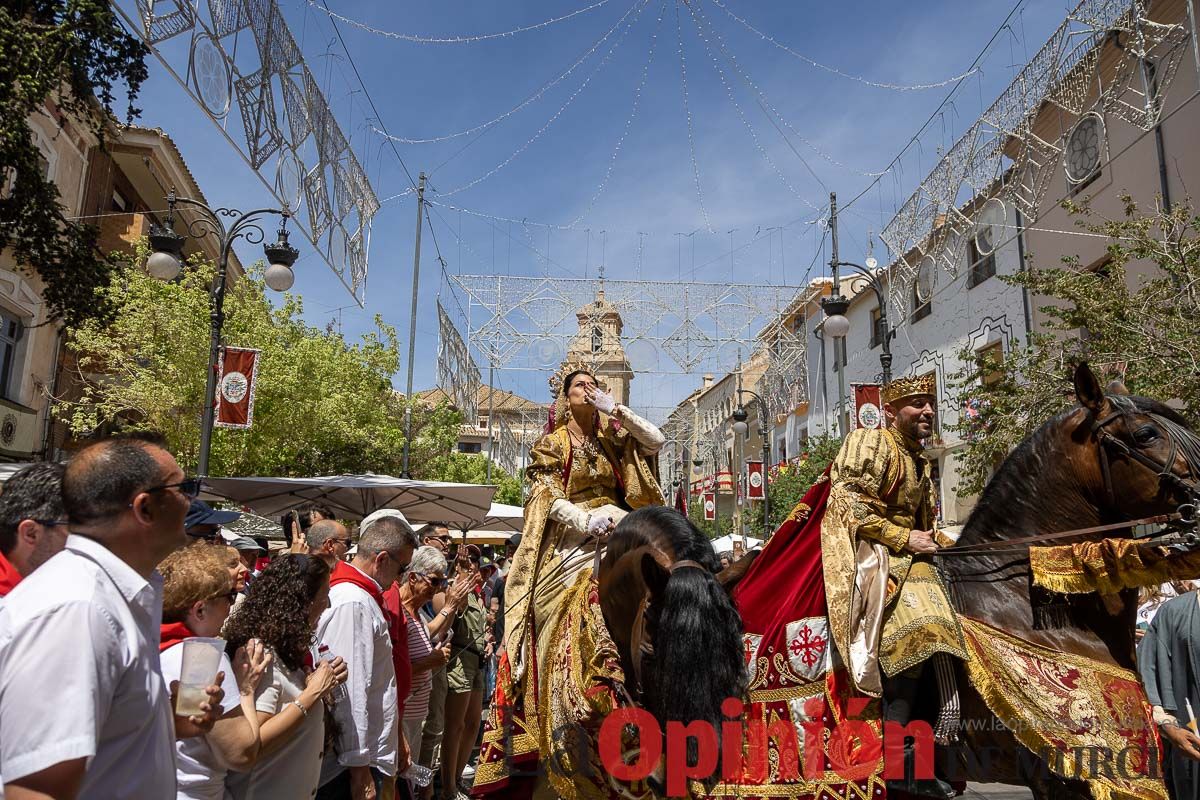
740, 428
836, 305
165, 264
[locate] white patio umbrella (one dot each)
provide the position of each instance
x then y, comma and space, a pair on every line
502, 521
724, 544
355, 496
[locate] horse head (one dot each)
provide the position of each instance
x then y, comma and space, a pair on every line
1145, 459
678, 633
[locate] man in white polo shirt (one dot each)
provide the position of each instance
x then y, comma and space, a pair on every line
356, 628
83, 709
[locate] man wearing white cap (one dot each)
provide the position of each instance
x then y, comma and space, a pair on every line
356, 628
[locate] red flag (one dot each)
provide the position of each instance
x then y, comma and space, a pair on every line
681, 504
710, 506
235, 387
755, 480
868, 410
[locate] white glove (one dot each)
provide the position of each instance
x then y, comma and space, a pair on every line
599, 525
603, 401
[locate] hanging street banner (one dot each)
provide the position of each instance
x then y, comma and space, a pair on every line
235, 387
868, 410
710, 506
755, 480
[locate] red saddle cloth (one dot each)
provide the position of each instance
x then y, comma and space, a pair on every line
823, 739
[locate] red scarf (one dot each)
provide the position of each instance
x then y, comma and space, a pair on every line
172, 633
9, 576
344, 573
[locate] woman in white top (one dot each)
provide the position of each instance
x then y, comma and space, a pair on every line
281, 610
197, 595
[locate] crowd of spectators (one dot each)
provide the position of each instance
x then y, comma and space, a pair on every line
352, 666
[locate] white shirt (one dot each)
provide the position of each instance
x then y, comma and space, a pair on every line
355, 629
291, 772
198, 770
80, 677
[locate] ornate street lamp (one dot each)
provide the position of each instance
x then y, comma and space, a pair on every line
741, 428
166, 262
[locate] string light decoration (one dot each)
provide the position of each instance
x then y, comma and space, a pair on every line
1065, 72
457, 374
637, 97
687, 110
762, 151
266, 95
638, 7
467, 39
533, 98
899, 87
766, 104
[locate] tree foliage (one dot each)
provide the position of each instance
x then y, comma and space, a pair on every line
472, 468
322, 404
789, 482
1134, 317
59, 56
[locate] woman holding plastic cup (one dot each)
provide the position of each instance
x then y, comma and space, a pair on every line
281, 610
197, 595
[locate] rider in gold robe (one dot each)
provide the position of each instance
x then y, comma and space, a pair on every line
888, 609
584, 475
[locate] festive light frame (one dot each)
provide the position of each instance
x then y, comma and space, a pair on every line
1001, 155
243, 68
457, 374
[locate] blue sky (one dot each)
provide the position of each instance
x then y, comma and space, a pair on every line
429, 90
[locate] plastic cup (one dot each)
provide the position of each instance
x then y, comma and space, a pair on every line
201, 662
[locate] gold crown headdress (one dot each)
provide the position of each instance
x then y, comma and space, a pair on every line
902, 388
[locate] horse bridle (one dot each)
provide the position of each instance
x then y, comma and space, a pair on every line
1164, 470
640, 646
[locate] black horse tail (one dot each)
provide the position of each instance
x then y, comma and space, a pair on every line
696, 631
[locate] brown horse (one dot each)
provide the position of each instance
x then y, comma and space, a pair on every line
1114, 458
678, 633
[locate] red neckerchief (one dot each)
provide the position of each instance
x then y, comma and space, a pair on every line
172, 633
344, 573
9, 576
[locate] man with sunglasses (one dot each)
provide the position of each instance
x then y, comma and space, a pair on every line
437, 534
329, 541
357, 628
33, 525
79, 638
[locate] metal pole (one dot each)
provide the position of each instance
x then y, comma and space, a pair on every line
838, 352
216, 323
766, 479
885, 356
491, 407
412, 329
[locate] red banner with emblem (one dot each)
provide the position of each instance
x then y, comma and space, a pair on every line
868, 410
710, 505
755, 480
237, 370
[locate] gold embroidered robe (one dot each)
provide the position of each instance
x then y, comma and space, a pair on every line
887, 610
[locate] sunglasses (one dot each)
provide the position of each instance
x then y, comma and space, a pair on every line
231, 596
189, 487
343, 542
51, 523
434, 581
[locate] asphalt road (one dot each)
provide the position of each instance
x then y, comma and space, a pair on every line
996, 791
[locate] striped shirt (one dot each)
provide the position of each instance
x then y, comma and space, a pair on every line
419, 646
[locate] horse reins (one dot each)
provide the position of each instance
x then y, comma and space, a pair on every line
1106, 442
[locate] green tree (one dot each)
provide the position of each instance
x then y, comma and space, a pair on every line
1138, 325
472, 468
790, 481
71, 56
322, 404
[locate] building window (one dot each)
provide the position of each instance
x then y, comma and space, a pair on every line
979, 267
483, 422
597, 339
10, 337
920, 310
989, 359
876, 327
119, 203
470, 447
